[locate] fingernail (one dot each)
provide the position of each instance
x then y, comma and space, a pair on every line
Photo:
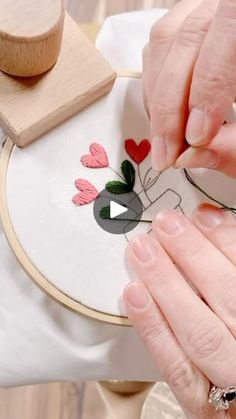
144, 248
136, 295
209, 216
171, 222
163, 153
195, 127
194, 157
159, 154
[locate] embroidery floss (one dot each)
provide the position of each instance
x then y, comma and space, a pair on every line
97, 158
196, 186
88, 193
137, 152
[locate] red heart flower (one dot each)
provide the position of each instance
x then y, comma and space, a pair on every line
88, 193
137, 152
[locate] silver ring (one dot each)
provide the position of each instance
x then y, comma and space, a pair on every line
221, 398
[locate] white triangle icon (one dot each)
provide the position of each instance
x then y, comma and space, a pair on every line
116, 209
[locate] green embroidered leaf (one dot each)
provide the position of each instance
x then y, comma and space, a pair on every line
129, 173
105, 213
118, 187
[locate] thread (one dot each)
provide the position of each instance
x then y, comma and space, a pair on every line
88, 193
196, 186
97, 158
137, 152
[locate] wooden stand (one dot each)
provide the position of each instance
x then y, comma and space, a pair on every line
29, 107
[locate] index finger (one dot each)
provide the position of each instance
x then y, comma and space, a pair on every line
214, 78
202, 335
161, 38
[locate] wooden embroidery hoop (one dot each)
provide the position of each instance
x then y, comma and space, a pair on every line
25, 261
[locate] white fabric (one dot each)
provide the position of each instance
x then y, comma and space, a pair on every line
40, 340
64, 241
124, 36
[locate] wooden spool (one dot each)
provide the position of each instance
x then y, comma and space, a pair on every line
30, 36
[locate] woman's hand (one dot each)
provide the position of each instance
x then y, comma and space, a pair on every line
185, 313
190, 85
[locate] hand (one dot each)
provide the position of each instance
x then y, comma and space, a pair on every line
190, 85
190, 330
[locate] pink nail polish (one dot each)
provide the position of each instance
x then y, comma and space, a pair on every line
144, 248
171, 222
137, 296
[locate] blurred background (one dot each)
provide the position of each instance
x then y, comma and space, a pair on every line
97, 10
66, 400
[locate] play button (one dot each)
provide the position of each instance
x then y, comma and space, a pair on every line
117, 213
116, 209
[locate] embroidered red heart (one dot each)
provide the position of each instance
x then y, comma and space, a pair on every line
97, 159
88, 193
137, 152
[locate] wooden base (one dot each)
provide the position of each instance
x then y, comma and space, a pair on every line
29, 107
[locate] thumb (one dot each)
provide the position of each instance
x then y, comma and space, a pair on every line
219, 155
214, 78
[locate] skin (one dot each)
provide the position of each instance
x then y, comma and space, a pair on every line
190, 330
189, 74
187, 317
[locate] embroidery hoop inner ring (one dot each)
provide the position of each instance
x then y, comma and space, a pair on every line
31, 270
